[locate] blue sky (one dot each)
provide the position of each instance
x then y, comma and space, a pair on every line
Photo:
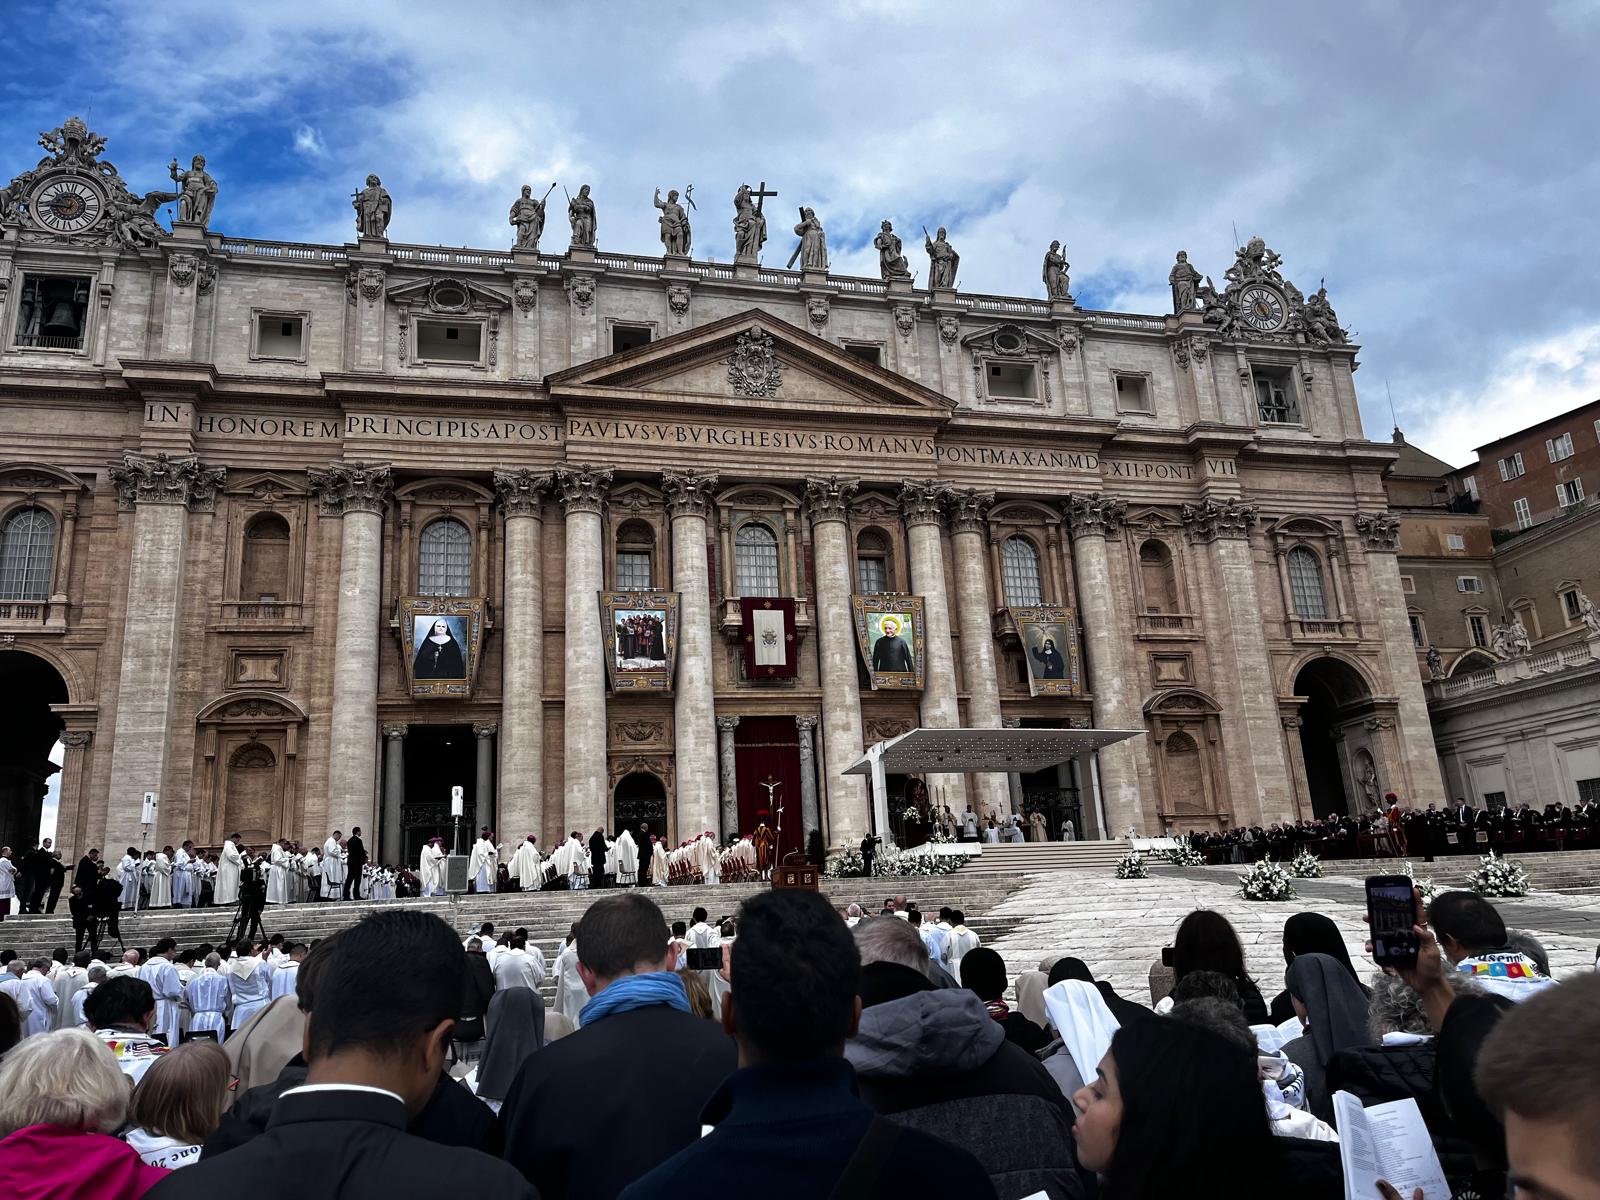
1435, 163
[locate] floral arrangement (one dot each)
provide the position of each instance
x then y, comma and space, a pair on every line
847, 863
1131, 866
1429, 888
1266, 880
844, 865
940, 838
1306, 865
1497, 876
1185, 856
912, 813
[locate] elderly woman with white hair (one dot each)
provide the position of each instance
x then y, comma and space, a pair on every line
62, 1098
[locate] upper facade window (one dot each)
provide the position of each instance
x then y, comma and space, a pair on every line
1019, 566
755, 560
1559, 448
1275, 399
444, 560
54, 312
1305, 585
1511, 466
27, 554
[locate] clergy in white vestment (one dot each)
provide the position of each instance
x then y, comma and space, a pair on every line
962, 940
128, 877
96, 976
229, 865
280, 866
658, 861
128, 966
207, 997
161, 880
42, 999
627, 858
287, 973
333, 866
708, 856
314, 867
11, 984
519, 965
483, 863
69, 981
249, 987
571, 995
182, 876
702, 935
161, 973
430, 868
572, 861
524, 868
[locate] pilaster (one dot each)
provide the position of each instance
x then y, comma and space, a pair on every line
394, 793
729, 775
807, 725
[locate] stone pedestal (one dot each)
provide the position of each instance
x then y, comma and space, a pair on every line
974, 609
355, 492
849, 813
922, 505
160, 490
582, 492
522, 785
693, 704
390, 838
729, 776
807, 726
483, 791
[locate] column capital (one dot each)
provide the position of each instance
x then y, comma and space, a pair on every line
922, 501
688, 493
1095, 514
582, 488
969, 509
805, 724
828, 498
728, 724
522, 492
76, 739
1212, 519
1379, 531
395, 733
485, 729
165, 479
347, 487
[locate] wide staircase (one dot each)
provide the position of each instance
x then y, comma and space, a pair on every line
1014, 859
546, 915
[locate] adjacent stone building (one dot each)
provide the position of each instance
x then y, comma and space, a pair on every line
239, 474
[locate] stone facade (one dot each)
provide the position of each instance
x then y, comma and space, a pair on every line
230, 640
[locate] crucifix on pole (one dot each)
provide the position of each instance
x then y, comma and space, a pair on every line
772, 785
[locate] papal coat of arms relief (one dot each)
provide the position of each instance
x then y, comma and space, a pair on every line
754, 369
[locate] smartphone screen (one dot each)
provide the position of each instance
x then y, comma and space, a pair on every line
1391, 909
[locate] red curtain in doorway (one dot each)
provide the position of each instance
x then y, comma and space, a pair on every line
767, 749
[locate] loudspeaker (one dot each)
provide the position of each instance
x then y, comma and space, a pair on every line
455, 874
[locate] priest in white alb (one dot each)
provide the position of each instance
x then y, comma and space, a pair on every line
161, 881
430, 868
161, 974
128, 877
333, 866
229, 864
626, 852
207, 998
484, 862
182, 878
278, 869
524, 868
658, 862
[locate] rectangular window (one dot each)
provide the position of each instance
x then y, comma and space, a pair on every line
1275, 402
1418, 638
1571, 606
1558, 448
633, 571
872, 576
1569, 493
867, 354
449, 341
1511, 466
1408, 584
1524, 513
1494, 801
53, 312
281, 335
629, 337
1471, 482
1133, 394
1478, 630
1012, 381
1455, 541
1588, 791
1468, 583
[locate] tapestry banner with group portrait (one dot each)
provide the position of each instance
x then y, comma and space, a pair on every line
1050, 648
890, 633
443, 636
641, 636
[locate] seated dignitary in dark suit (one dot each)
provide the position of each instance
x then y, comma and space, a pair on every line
385, 1006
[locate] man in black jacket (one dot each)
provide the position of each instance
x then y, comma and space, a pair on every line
105, 908
597, 859
385, 1006
646, 852
592, 1112
789, 1125
355, 858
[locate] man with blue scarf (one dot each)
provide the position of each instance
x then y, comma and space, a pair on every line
592, 1112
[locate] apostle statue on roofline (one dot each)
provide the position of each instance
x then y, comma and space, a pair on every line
373, 209
580, 213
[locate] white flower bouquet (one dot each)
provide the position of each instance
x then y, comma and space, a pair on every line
1131, 866
1306, 865
1497, 876
1266, 880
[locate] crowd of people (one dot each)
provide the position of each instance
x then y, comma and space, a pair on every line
1399, 831
789, 1049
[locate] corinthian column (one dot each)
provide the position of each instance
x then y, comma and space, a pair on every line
1092, 519
849, 812
729, 776
160, 491
356, 492
693, 706
522, 810
582, 491
807, 726
968, 512
922, 504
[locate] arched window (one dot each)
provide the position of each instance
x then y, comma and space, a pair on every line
264, 565
27, 554
444, 560
755, 561
872, 563
635, 551
1019, 565
1305, 585
1160, 582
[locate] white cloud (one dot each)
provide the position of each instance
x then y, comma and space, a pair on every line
308, 141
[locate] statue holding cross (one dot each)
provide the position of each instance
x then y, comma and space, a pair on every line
749, 224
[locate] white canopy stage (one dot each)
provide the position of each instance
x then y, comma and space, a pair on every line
972, 751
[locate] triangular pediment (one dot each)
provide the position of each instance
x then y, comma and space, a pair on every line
750, 360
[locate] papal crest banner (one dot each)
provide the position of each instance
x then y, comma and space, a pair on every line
769, 637
1050, 648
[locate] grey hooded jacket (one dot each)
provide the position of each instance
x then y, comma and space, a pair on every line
936, 1061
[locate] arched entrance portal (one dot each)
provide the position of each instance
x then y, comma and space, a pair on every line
639, 798
28, 687
1335, 696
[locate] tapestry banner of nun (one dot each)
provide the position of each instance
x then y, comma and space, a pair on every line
442, 637
640, 630
890, 633
1050, 647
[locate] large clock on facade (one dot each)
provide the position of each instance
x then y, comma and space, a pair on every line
67, 204
1261, 308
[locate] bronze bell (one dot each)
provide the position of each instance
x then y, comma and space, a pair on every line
63, 320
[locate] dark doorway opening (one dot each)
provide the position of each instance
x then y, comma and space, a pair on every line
1335, 694
1054, 791
767, 751
639, 799
28, 687
438, 757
